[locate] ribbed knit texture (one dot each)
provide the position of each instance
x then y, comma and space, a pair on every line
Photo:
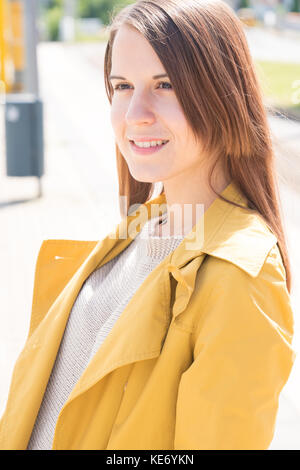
101, 300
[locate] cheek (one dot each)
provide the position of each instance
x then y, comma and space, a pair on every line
116, 117
177, 123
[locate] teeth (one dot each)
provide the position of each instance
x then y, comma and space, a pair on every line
153, 143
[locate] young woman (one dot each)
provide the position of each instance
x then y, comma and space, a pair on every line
171, 333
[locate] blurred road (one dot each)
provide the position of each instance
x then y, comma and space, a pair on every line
274, 45
80, 201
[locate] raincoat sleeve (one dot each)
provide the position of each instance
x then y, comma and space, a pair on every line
228, 397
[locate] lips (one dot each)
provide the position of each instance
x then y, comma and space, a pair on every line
148, 140
164, 141
145, 139
146, 150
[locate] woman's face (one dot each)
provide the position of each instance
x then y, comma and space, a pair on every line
147, 108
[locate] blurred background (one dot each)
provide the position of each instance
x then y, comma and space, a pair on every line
58, 176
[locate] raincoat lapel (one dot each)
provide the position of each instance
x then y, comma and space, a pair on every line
129, 340
137, 335
123, 345
35, 362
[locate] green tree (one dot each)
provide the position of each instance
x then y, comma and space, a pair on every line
49, 4
52, 12
52, 20
296, 6
101, 9
244, 4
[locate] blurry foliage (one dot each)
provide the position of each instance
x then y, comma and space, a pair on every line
52, 12
54, 3
244, 4
101, 9
295, 6
52, 21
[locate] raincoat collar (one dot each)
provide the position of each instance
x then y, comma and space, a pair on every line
230, 233
235, 234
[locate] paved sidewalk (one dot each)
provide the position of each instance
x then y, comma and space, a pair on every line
274, 45
80, 201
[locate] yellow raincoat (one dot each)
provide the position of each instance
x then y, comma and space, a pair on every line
197, 359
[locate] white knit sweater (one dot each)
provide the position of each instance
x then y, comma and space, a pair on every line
101, 300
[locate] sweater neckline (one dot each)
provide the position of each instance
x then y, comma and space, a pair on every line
152, 246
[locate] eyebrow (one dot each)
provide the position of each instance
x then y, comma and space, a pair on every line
155, 77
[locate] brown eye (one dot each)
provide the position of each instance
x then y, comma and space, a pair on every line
166, 83
117, 87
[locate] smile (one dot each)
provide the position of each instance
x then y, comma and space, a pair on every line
147, 150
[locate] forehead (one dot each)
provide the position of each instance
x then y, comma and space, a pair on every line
132, 52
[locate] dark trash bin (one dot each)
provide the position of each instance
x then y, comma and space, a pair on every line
24, 135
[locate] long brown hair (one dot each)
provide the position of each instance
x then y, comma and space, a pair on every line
203, 47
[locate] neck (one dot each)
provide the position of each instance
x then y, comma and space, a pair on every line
186, 203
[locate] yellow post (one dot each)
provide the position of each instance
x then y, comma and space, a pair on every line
17, 15
6, 63
2, 43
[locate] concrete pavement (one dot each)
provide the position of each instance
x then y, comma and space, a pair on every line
274, 45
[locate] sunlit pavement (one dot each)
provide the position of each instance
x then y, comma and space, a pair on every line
80, 201
274, 45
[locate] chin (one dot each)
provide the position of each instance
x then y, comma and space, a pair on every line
144, 177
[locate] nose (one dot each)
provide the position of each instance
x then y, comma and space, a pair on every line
139, 111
